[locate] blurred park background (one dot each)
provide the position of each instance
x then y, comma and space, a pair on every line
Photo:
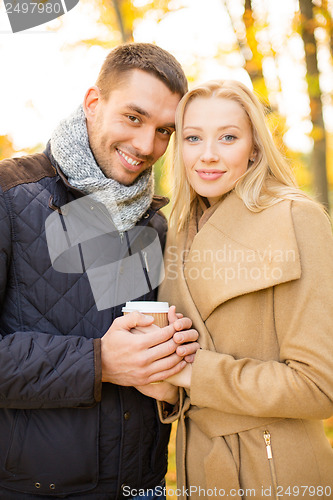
282, 49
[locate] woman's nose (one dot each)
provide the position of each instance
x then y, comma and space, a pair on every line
209, 154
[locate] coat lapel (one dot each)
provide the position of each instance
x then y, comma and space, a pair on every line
238, 252
175, 290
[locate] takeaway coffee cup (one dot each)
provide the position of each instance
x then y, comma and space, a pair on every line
159, 310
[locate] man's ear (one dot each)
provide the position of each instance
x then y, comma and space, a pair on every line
90, 102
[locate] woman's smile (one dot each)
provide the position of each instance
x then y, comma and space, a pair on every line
210, 175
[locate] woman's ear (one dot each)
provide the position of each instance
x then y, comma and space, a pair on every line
253, 156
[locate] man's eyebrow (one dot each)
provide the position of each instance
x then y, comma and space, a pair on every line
136, 109
169, 125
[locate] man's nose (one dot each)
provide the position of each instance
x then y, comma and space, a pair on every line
209, 153
144, 141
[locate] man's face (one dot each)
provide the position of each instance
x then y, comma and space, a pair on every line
130, 130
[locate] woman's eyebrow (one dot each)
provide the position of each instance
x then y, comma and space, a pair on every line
193, 127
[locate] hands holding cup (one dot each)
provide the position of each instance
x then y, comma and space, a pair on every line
185, 346
139, 360
163, 316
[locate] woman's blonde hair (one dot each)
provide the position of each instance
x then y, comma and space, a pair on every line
267, 181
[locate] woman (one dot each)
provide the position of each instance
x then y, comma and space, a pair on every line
249, 259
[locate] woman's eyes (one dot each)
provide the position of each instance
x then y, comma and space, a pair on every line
192, 138
224, 138
228, 138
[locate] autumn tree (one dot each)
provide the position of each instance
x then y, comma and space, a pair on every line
6, 147
126, 33
318, 158
119, 18
253, 56
328, 21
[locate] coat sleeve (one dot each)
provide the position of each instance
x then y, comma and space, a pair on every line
300, 384
38, 370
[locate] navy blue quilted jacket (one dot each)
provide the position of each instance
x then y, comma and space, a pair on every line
62, 432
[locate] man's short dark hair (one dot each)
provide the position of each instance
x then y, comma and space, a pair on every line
146, 57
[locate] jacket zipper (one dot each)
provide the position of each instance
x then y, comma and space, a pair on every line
267, 438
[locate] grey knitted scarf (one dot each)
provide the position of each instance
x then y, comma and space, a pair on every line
70, 148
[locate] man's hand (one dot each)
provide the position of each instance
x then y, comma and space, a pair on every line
184, 338
135, 360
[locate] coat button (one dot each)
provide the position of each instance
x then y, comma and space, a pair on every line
127, 415
37, 485
146, 216
52, 486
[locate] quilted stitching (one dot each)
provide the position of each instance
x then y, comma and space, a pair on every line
40, 368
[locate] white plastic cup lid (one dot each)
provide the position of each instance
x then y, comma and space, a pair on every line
146, 307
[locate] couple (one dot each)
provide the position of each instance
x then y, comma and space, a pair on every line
248, 260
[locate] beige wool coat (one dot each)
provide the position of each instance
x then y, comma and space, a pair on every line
259, 289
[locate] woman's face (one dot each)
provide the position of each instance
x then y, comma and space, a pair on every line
217, 145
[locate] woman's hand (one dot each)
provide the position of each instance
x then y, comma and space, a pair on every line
183, 378
187, 352
184, 338
162, 391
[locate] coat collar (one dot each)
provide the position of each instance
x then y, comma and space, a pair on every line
238, 251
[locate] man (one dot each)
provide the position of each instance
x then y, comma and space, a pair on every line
72, 425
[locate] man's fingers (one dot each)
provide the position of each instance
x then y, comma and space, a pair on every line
162, 350
165, 368
155, 335
132, 320
146, 329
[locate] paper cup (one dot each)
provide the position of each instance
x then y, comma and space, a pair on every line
159, 310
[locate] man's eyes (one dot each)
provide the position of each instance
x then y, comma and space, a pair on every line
165, 131
133, 119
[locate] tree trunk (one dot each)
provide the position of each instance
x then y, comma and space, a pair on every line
329, 24
253, 58
318, 157
125, 35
